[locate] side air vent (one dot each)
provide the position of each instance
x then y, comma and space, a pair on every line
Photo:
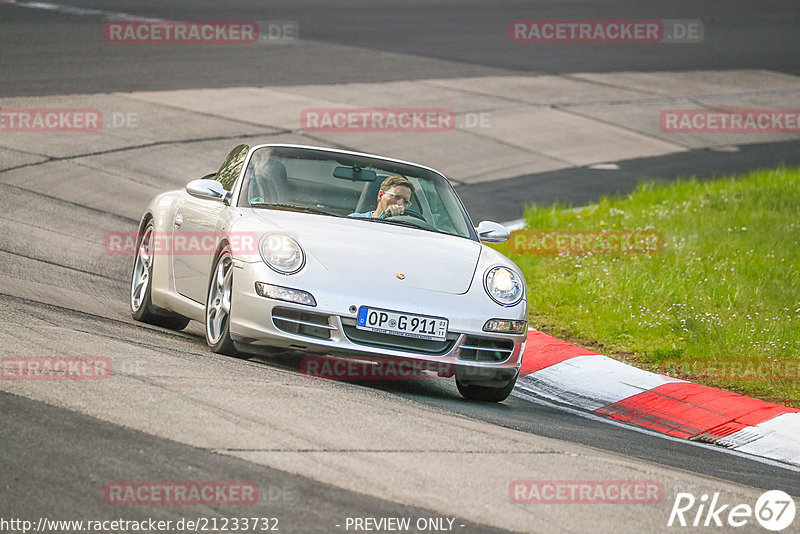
486, 349
302, 323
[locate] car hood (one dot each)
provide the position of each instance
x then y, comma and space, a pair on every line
377, 253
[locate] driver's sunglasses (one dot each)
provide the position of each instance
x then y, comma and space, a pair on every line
397, 197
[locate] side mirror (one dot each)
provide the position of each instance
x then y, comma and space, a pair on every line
492, 232
207, 189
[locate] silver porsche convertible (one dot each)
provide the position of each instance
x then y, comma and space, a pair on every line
336, 253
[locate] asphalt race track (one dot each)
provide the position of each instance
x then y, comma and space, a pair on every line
444, 39
319, 451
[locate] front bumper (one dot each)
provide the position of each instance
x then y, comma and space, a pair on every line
258, 322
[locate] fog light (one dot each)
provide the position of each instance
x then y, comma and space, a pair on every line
285, 293
505, 326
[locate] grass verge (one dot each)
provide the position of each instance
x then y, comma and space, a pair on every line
718, 304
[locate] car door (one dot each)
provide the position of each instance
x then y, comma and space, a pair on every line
194, 231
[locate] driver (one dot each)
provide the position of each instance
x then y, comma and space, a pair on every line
393, 199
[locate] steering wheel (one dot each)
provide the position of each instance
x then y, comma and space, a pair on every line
416, 219
412, 213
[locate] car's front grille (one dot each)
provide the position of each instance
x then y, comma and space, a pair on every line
486, 349
302, 323
408, 344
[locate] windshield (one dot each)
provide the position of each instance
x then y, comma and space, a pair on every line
347, 185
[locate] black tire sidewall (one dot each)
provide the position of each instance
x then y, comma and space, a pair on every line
486, 390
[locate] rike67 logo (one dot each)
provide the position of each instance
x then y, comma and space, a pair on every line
774, 510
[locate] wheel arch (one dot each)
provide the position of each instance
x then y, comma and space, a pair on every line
222, 245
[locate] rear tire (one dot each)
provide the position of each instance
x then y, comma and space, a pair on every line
485, 385
141, 304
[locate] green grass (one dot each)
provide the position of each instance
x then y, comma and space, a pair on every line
725, 288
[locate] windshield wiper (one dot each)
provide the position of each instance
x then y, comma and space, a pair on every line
289, 207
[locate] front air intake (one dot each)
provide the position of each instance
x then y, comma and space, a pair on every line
486, 349
302, 323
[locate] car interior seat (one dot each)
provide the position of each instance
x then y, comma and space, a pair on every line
368, 200
270, 182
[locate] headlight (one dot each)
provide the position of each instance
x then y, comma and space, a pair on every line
503, 285
282, 253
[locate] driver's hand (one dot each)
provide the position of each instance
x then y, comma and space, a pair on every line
395, 209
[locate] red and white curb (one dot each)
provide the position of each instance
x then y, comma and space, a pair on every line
569, 374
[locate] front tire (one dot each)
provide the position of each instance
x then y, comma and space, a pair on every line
485, 385
218, 306
141, 304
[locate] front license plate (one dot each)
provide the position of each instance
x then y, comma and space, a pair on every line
402, 324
